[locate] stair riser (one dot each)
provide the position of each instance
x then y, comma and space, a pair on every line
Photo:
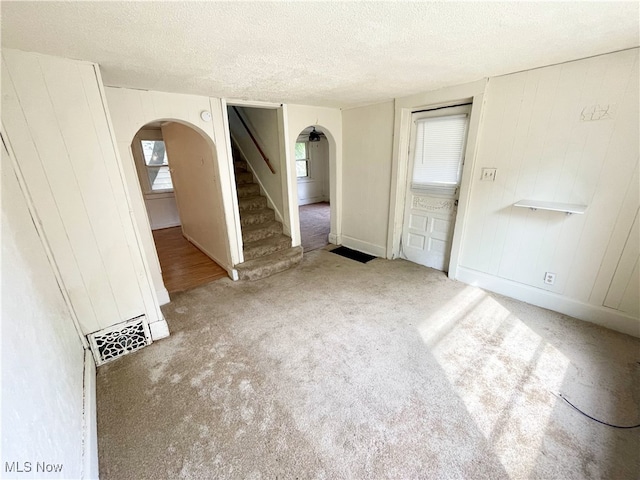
279, 262
262, 250
244, 178
255, 218
269, 231
272, 269
248, 190
255, 203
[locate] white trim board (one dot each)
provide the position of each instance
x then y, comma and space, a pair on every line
162, 226
89, 420
163, 296
362, 246
159, 330
335, 239
606, 317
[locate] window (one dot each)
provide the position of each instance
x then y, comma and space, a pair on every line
152, 161
302, 160
439, 151
157, 165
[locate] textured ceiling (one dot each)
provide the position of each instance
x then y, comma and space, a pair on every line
317, 53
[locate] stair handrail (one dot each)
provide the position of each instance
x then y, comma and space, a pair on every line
255, 142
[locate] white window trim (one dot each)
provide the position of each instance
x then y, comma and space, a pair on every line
309, 177
141, 167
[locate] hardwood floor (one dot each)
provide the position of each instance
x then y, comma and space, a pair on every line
183, 265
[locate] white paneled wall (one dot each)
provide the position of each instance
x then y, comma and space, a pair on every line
566, 133
56, 121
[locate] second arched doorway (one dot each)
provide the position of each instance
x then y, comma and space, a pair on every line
314, 194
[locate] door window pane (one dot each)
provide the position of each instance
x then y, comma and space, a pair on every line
439, 150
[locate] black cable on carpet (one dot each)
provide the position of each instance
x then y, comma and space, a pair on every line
595, 419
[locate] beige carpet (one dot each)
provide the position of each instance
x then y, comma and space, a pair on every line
342, 370
315, 225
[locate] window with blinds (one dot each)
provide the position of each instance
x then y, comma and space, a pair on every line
438, 153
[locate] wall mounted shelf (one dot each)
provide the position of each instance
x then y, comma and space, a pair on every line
567, 208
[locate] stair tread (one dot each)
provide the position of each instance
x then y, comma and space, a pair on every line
257, 211
259, 226
271, 264
251, 198
273, 240
254, 202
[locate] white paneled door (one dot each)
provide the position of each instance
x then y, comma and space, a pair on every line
438, 140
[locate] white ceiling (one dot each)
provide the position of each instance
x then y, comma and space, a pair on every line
317, 53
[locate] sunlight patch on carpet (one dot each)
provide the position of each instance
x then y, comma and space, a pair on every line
503, 371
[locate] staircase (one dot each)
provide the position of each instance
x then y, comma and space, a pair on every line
267, 250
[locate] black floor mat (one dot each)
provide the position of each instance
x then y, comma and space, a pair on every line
353, 254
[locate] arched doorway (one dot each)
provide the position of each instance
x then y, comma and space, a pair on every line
314, 187
176, 166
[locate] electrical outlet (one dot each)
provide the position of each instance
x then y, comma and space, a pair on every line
549, 278
488, 175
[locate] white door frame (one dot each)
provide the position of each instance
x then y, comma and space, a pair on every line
404, 108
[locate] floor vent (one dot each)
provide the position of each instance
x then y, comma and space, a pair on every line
118, 340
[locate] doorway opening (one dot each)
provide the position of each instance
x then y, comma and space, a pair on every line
437, 141
174, 165
312, 172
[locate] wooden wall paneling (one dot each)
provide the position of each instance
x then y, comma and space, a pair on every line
618, 240
36, 145
98, 109
611, 170
624, 286
96, 189
488, 227
630, 300
515, 125
533, 133
561, 137
523, 232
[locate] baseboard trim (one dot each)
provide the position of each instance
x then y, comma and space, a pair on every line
309, 201
90, 467
166, 225
606, 317
163, 296
228, 268
335, 239
362, 246
159, 329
